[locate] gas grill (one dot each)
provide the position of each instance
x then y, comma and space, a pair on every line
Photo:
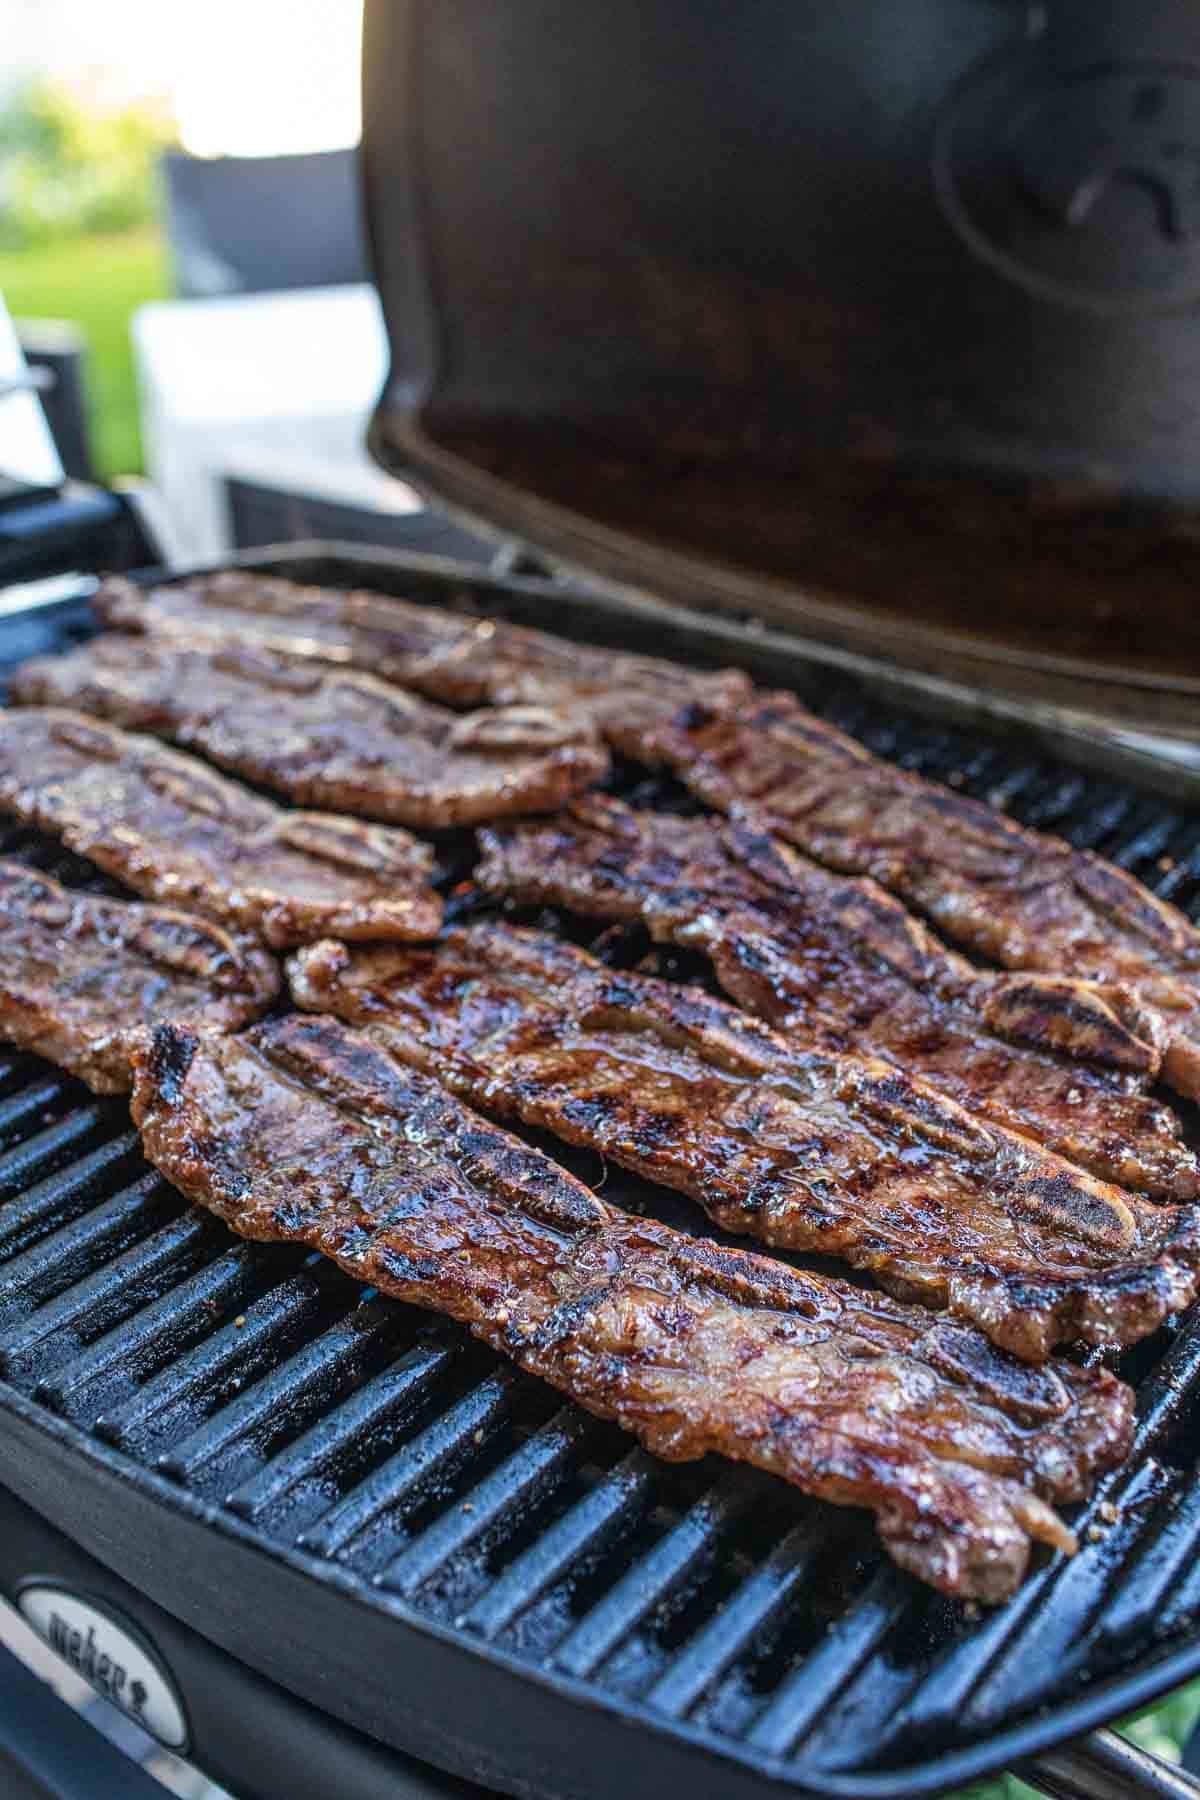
796, 316
346, 1535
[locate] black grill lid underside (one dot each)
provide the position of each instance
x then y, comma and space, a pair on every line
365, 1505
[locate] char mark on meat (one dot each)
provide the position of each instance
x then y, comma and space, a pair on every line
837, 961
84, 977
325, 737
450, 656
174, 830
1015, 896
305, 1131
802, 1147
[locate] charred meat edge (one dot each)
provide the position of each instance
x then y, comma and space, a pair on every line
289, 876
805, 1149
82, 975
840, 962
304, 1131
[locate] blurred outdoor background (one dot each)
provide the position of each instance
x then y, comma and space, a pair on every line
94, 94
91, 93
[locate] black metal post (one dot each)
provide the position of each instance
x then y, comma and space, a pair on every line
1105, 1766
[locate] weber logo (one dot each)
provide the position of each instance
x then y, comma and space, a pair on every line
109, 1657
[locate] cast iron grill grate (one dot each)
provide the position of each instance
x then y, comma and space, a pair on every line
385, 1446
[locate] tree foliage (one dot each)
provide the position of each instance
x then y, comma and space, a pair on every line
70, 164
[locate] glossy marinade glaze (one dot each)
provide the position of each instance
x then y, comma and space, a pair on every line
323, 737
304, 1131
174, 830
82, 977
1020, 898
1015, 896
799, 1146
842, 964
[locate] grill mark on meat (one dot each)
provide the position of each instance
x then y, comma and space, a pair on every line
447, 655
801, 1147
174, 830
838, 962
324, 1138
1024, 900
324, 737
83, 977
171, 1054
1018, 897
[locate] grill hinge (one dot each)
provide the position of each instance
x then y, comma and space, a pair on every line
1105, 1766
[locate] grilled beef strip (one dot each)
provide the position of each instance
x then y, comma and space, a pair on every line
838, 961
304, 1131
82, 976
1022, 899
801, 1147
447, 655
174, 830
323, 737
1018, 897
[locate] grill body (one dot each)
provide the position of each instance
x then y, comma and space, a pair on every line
376, 1516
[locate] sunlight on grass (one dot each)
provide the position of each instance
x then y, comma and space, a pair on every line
97, 283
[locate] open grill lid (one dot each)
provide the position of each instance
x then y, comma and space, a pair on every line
877, 326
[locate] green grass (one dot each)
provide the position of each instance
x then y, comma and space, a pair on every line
97, 283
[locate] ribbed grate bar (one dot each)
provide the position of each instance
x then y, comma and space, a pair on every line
728, 1635
308, 1378
160, 1327
391, 1394
1079, 1592
412, 1468
1135, 1604
266, 1322
53, 1262
612, 1504
526, 1473
57, 1198
100, 1295
19, 1109
651, 1579
49, 1149
813, 1686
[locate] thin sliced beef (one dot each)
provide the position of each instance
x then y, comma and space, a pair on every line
306, 1132
174, 830
801, 1147
323, 737
838, 961
1022, 899
448, 655
83, 976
